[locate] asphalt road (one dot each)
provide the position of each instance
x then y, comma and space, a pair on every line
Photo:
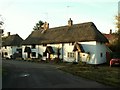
22, 74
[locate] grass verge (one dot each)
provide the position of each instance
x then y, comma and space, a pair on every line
4, 72
102, 73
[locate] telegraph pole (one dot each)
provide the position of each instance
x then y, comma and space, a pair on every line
1, 33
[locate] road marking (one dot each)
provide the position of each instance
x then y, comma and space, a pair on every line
24, 75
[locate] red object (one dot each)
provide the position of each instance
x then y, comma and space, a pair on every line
108, 56
114, 61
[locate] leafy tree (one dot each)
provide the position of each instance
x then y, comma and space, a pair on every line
118, 32
38, 25
118, 22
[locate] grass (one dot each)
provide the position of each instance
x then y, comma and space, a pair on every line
102, 73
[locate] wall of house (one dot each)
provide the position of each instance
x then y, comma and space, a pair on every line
55, 48
24, 54
97, 52
84, 57
68, 54
40, 49
9, 50
101, 50
36, 50
89, 47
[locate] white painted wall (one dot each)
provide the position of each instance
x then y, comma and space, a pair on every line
101, 48
55, 48
10, 50
91, 48
95, 49
39, 50
68, 48
24, 54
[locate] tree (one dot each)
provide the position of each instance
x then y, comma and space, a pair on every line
38, 25
118, 32
118, 22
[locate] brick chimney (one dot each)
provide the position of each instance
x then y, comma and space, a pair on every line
46, 26
110, 31
70, 22
8, 33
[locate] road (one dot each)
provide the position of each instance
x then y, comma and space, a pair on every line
22, 74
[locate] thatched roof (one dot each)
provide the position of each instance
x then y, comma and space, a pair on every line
77, 32
12, 40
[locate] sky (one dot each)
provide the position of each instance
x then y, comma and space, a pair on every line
20, 16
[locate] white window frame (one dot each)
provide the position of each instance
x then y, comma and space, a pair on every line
70, 54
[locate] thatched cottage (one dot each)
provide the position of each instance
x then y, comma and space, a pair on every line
11, 45
71, 43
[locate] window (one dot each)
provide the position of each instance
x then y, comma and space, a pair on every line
71, 54
33, 54
6, 53
33, 46
101, 54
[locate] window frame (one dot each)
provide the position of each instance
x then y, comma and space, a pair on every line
71, 55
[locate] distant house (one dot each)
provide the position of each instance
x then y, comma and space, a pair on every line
111, 37
71, 43
11, 45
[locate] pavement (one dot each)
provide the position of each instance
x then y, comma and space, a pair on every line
22, 74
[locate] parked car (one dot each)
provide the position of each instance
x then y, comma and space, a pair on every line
115, 60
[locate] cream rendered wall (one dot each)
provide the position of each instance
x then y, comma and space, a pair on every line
101, 50
68, 48
91, 48
24, 54
39, 49
97, 52
55, 48
10, 50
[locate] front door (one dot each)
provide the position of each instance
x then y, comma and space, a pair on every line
28, 56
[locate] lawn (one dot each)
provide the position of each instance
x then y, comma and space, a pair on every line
102, 73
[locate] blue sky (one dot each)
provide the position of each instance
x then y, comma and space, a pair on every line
20, 16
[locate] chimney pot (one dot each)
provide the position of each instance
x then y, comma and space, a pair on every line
46, 26
8, 33
110, 31
70, 22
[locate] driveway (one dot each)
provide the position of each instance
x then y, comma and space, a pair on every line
22, 74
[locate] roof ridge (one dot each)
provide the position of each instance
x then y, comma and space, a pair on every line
72, 25
86, 31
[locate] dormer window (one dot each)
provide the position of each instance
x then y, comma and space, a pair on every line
33, 46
